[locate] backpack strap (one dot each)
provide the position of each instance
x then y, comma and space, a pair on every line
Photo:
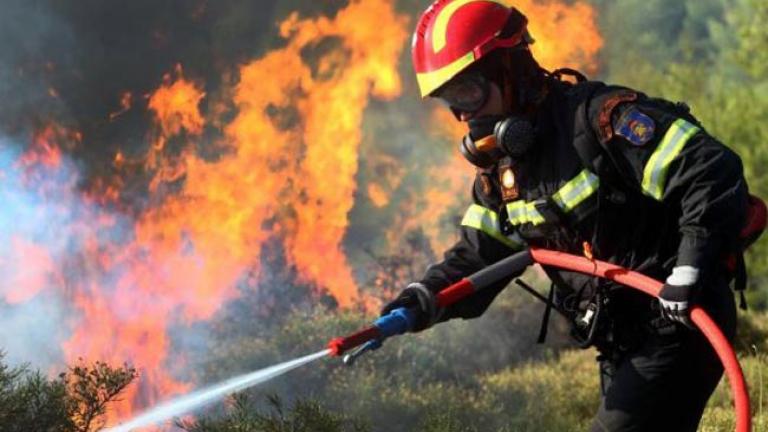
584, 139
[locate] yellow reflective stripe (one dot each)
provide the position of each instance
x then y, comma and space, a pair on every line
487, 221
520, 212
655, 171
576, 191
570, 195
430, 81
440, 29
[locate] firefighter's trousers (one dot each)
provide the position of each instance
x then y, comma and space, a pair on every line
664, 385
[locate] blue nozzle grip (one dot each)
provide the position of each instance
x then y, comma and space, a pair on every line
373, 345
397, 322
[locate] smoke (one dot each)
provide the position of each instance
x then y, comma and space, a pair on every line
30, 311
34, 40
31, 332
37, 203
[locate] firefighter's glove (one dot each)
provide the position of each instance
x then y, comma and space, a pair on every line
421, 301
676, 297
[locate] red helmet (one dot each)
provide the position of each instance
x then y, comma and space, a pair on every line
453, 34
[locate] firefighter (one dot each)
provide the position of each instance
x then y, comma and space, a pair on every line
587, 168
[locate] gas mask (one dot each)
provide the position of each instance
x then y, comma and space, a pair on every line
490, 138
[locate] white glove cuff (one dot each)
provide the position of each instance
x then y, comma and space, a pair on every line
683, 275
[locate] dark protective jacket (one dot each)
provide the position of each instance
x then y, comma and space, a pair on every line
666, 193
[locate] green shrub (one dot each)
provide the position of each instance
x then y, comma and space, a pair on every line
76, 401
244, 416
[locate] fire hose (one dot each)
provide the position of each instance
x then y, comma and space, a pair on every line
401, 320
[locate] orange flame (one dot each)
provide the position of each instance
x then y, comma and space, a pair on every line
126, 101
44, 150
175, 105
288, 171
156, 277
566, 33
385, 176
311, 166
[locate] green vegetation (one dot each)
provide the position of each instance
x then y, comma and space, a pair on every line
455, 378
75, 401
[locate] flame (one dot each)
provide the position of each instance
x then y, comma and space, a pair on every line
386, 174
566, 33
44, 150
119, 160
158, 278
378, 196
126, 102
312, 166
287, 171
175, 105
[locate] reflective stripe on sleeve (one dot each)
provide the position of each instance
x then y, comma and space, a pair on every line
487, 221
655, 171
576, 191
568, 197
520, 212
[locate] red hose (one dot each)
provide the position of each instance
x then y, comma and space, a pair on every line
652, 287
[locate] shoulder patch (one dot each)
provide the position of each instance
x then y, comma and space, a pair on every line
635, 127
605, 128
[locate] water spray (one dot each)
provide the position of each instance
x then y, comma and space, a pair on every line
401, 320
192, 401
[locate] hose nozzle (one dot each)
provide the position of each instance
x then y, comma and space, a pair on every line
396, 322
349, 359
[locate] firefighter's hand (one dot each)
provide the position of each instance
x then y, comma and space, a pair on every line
421, 300
677, 295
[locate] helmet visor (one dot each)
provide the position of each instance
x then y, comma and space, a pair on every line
465, 93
